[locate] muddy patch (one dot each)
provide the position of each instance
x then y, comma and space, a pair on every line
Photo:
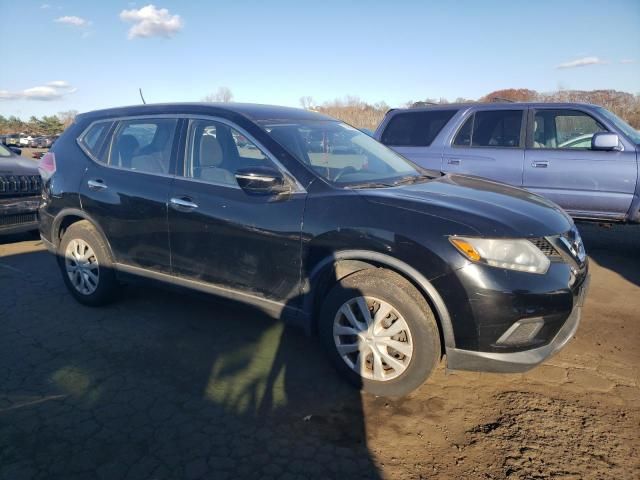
538, 437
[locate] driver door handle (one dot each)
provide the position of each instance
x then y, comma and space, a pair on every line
183, 204
97, 184
540, 164
453, 161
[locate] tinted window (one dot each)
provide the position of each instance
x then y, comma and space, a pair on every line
497, 128
216, 151
93, 139
564, 129
415, 129
463, 138
143, 145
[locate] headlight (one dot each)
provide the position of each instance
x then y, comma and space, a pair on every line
513, 254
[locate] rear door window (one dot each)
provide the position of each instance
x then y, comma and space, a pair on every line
491, 128
143, 145
415, 129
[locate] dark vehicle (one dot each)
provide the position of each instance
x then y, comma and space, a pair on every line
40, 142
580, 156
19, 193
392, 265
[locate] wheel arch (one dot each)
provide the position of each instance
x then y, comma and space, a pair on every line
334, 267
67, 217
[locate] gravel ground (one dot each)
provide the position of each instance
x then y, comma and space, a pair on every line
166, 384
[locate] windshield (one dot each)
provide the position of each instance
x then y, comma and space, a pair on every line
342, 154
4, 151
627, 129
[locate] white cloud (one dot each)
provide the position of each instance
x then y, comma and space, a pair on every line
150, 21
45, 6
73, 21
582, 62
627, 60
51, 91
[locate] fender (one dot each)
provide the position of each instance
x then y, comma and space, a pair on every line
74, 212
426, 287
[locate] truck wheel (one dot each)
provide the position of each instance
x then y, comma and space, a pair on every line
86, 265
380, 332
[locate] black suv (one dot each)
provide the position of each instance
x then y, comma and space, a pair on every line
19, 193
392, 265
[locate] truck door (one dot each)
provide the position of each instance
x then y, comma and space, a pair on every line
560, 165
489, 144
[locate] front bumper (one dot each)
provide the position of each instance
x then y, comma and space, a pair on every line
18, 214
521, 361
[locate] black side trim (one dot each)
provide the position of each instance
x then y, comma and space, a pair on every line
273, 308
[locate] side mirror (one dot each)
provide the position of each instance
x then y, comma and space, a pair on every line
262, 181
16, 150
605, 141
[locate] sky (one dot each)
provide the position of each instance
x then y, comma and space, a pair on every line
84, 55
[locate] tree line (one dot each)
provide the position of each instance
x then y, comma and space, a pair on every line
361, 114
46, 125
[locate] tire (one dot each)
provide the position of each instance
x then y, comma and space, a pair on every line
418, 337
94, 281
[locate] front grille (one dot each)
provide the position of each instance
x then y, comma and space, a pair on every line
544, 245
18, 219
20, 185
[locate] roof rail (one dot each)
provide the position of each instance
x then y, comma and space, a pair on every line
501, 99
420, 103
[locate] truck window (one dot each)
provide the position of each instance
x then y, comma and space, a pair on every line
564, 129
415, 129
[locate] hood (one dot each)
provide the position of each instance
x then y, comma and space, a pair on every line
16, 165
489, 208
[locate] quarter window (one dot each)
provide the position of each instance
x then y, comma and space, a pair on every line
415, 129
564, 129
93, 139
216, 151
143, 145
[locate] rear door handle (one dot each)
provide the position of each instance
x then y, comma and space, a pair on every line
97, 184
183, 204
541, 164
453, 161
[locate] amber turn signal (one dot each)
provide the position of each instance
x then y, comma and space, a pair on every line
466, 248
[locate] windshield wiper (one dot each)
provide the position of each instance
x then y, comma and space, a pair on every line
372, 185
412, 179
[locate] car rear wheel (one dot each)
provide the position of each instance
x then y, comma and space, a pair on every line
380, 332
86, 265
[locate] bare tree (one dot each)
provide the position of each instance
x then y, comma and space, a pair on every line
67, 117
223, 94
306, 102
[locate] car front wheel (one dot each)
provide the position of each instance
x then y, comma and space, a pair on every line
380, 332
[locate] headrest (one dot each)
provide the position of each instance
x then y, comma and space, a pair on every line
210, 152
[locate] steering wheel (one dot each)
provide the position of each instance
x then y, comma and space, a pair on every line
349, 169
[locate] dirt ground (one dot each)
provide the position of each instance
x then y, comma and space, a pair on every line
169, 385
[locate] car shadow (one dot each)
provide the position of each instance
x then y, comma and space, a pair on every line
614, 248
164, 383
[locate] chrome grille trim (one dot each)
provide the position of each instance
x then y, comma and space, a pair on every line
20, 185
545, 246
